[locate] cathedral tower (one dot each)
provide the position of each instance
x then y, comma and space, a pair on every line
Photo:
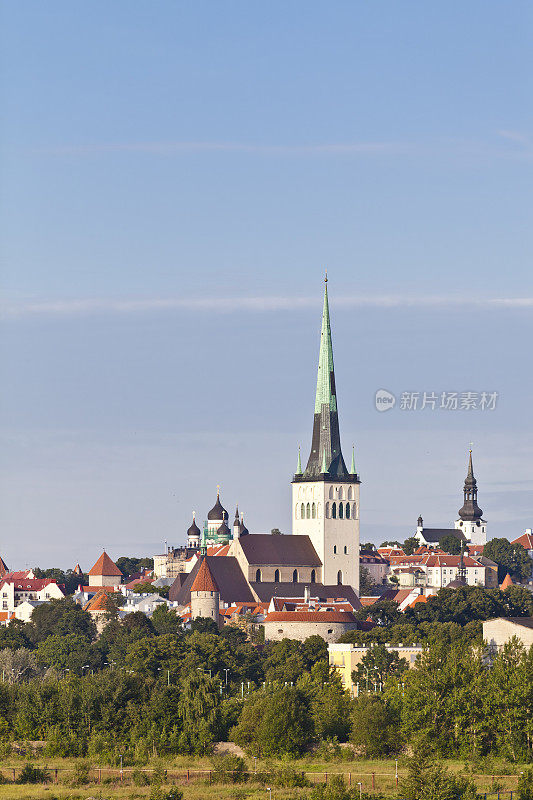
325, 496
470, 520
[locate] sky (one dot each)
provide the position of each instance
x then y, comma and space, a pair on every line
176, 178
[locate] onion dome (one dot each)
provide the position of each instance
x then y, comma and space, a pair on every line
223, 532
218, 511
243, 529
194, 530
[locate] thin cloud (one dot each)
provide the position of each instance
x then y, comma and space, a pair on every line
228, 305
176, 147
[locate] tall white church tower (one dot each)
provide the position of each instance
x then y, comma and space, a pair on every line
325, 496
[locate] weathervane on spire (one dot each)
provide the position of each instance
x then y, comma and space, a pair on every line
326, 277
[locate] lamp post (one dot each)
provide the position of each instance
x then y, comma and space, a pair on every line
226, 671
269, 790
360, 789
396, 773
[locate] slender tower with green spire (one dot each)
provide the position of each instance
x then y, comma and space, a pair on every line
326, 493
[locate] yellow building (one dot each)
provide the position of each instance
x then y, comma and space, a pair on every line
346, 657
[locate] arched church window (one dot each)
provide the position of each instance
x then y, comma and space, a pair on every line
308, 511
354, 511
350, 493
327, 510
303, 511
347, 511
334, 510
258, 576
341, 493
313, 511
295, 576
331, 492
313, 576
276, 576
341, 511
334, 548
339, 577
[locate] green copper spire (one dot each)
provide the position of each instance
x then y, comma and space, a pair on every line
299, 464
325, 388
324, 467
352, 468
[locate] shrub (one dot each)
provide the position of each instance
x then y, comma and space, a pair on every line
81, 774
158, 793
31, 774
290, 778
230, 769
140, 778
525, 785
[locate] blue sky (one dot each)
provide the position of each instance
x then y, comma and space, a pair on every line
176, 177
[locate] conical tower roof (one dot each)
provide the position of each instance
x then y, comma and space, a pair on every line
326, 445
507, 581
470, 511
204, 581
104, 566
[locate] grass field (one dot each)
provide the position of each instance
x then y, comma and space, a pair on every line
378, 776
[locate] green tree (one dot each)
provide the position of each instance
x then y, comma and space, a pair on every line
63, 652
427, 779
14, 635
275, 724
60, 617
377, 665
366, 584
450, 544
384, 612
374, 727
410, 545
510, 558
165, 619
129, 565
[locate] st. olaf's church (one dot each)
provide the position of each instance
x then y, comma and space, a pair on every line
322, 555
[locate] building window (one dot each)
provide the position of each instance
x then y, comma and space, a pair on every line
341, 493
334, 510
354, 511
295, 576
276, 576
258, 576
327, 510
341, 511
313, 576
334, 548
350, 493
330, 630
331, 495
303, 511
345, 550
347, 511
308, 511
339, 577
313, 511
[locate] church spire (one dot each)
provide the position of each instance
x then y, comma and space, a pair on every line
470, 510
326, 445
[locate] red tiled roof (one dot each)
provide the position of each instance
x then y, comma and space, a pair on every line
526, 540
17, 575
32, 584
104, 566
310, 616
369, 601
420, 599
100, 602
204, 581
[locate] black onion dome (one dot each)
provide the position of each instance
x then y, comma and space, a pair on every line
218, 511
243, 530
224, 531
194, 530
